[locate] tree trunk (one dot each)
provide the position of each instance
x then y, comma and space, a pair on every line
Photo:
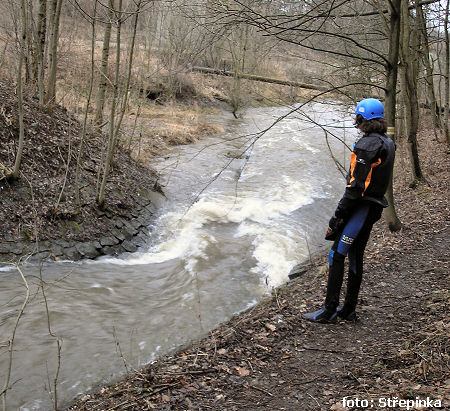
409, 73
130, 67
100, 104
55, 16
447, 74
86, 111
112, 134
18, 160
40, 49
428, 69
390, 96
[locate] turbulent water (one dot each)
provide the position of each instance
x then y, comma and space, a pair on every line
241, 210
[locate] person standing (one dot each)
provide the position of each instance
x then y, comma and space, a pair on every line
371, 167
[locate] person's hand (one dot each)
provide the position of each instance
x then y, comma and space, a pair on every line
335, 223
330, 234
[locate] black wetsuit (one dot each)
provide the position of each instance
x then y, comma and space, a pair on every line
371, 166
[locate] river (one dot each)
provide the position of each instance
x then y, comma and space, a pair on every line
213, 254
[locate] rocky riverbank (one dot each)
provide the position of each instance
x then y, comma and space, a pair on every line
50, 212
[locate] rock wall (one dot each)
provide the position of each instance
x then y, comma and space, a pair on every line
127, 232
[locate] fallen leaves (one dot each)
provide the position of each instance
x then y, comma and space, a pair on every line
242, 372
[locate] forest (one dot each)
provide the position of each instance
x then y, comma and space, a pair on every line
107, 105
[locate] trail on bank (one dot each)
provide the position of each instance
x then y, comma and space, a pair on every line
270, 358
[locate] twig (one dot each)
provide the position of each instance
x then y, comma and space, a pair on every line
11, 341
45, 301
261, 390
194, 372
119, 349
55, 380
317, 402
326, 350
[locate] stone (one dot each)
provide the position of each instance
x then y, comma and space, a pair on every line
9, 238
99, 212
105, 241
136, 224
108, 250
43, 255
143, 236
11, 248
150, 208
87, 250
45, 246
133, 213
72, 253
63, 243
118, 234
137, 241
118, 223
57, 250
129, 246
128, 231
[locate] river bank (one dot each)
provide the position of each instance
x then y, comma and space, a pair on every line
268, 357
48, 215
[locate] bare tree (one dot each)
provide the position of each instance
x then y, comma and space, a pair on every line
409, 72
40, 49
112, 118
55, 16
104, 79
18, 161
447, 74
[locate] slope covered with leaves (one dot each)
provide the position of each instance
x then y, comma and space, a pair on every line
43, 204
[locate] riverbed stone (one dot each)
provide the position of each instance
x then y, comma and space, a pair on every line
136, 224
11, 248
128, 231
9, 238
87, 250
108, 250
110, 240
63, 243
97, 244
72, 253
137, 241
44, 255
118, 234
57, 250
119, 223
44, 246
129, 246
143, 236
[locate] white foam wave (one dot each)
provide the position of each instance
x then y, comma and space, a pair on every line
257, 215
275, 250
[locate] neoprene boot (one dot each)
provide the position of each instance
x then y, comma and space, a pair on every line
347, 311
327, 313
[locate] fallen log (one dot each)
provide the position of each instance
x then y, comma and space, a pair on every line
207, 70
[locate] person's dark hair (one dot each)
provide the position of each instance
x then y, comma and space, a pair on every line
376, 125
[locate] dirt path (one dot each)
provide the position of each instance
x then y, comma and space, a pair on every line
269, 358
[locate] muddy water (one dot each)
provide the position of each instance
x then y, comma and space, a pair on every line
211, 257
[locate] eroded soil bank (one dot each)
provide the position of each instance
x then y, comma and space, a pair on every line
270, 358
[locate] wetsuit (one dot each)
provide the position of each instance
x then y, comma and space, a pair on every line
371, 166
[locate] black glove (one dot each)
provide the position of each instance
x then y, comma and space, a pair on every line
334, 227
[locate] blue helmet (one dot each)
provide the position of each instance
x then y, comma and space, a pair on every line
370, 108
